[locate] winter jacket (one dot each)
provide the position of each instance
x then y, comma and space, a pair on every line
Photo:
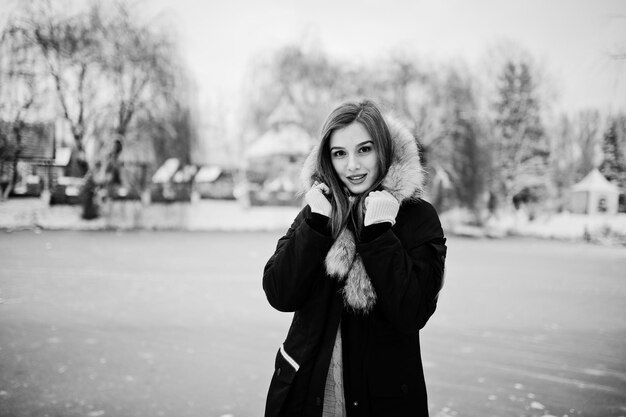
383, 373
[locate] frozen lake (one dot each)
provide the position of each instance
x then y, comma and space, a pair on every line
176, 324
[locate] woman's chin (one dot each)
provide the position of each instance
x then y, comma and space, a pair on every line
357, 189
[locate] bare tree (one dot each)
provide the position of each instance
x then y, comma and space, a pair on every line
587, 134
438, 105
70, 47
136, 60
414, 93
108, 70
301, 74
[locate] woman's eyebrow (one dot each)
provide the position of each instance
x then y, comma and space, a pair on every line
358, 144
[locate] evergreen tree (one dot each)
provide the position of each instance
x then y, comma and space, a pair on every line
519, 149
613, 166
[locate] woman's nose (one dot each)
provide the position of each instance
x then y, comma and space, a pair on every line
352, 163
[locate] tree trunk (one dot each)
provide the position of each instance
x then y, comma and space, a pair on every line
18, 140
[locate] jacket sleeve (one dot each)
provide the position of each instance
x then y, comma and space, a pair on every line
289, 275
407, 274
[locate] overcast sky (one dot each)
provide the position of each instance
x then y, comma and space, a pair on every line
571, 39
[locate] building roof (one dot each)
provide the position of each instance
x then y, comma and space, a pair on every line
62, 157
288, 139
166, 171
284, 113
595, 181
208, 173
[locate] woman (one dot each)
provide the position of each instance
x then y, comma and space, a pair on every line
361, 266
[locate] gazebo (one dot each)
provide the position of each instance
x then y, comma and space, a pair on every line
274, 160
285, 136
594, 194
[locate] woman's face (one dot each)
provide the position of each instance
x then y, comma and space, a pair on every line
354, 157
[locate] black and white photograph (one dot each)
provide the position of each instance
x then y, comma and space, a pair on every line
399, 208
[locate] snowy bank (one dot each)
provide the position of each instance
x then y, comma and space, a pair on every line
203, 215
220, 215
598, 228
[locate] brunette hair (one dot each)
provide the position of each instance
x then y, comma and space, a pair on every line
347, 207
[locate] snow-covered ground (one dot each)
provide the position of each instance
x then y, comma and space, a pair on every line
175, 324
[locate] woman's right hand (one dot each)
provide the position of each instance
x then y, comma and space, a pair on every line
317, 200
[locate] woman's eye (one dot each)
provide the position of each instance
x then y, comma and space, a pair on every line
338, 154
365, 149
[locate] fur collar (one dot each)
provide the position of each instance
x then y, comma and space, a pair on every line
404, 180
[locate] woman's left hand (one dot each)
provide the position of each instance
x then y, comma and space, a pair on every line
380, 207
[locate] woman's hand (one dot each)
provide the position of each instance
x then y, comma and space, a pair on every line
317, 200
380, 207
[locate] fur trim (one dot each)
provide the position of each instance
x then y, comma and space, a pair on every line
404, 181
309, 169
358, 292
341, 255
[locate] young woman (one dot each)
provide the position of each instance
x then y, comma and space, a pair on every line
361, 268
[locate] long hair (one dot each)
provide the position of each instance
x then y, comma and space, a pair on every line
347, 207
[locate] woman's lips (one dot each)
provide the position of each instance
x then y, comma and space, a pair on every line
356, 179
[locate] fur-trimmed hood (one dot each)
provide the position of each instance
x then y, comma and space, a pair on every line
405, 178
404, 181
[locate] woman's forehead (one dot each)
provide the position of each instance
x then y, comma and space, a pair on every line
350, 136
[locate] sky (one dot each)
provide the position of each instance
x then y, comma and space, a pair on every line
571, 40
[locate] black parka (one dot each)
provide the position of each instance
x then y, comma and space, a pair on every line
383, 373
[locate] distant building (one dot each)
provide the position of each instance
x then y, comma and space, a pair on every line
286, 136
27, 154
594, 194
173, 181
216, 182
274, 160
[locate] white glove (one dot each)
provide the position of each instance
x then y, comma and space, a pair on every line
316, 199
380, 207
